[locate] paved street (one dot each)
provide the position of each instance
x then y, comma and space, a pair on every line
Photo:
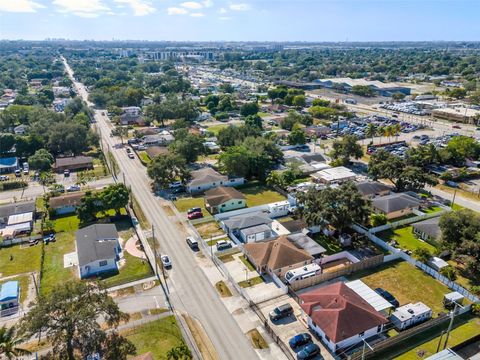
190, 289
34, 189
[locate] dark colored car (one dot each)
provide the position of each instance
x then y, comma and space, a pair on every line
387, 296
193, 210
281, 312
308, 352
299, 340
195, 215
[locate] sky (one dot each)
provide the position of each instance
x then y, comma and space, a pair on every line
241, 20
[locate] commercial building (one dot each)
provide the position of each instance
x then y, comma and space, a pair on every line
381, 88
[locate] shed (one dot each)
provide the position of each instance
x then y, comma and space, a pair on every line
453, 297
410, 314
9, 294
437, 263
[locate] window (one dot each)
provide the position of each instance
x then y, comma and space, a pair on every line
223, 205
213, 184
239, 203
103, 263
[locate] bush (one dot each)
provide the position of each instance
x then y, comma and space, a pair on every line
378, 220
449, 272
423, 255
13, 185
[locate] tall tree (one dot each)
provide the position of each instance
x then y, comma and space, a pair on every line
166, 169
346, 148
115, 197
340, 207
69, 316
41, 160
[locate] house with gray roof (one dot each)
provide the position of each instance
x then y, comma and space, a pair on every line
251, 227
8, 210
372, 189
428, 229
395, 205
207, 178
98, 250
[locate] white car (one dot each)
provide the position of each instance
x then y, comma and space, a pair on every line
131, 156
166, 261
72, 188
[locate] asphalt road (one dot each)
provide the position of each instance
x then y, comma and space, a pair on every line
190, 290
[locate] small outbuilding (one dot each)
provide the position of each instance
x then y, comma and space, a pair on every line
9, 295
410, 314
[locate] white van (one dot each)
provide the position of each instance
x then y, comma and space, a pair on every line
302, 273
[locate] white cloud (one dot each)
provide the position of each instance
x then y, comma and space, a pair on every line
82, 8
240, 7
139, 7
20, 6
224, 18
207, 3
198, 14
222, 11
191, 5
176, 11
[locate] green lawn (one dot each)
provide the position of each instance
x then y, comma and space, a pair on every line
216, 128
247, 263
23, 282
432, 209
54, 272
406, 239
134, 269
183, 204
406, 283
263, 114
144, 158
66, 223
260, 195
329, 243
157, 337
19, 259
426, 343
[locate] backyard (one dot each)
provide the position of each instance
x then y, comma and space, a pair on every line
260, 195
165, 333
407, 283
406, 239
19, 259
329, 243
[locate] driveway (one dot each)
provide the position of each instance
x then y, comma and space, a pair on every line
289, 327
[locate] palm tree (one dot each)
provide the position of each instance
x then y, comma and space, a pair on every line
8, 343
381, 132
371, 130
388, 131
397, 128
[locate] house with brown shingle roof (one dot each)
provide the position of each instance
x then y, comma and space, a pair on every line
339, 316
276, 256
73, 163
65, 204
222, 199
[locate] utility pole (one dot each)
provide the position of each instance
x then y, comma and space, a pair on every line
365, 344
156, 259
453, 199
452, 317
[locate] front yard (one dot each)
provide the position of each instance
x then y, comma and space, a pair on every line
158, 337
209, 229
183, 204
407, 283
406, 239
19, 259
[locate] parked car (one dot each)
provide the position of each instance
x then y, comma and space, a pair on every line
72, 188
131, 156
195, 215
223, 245
3, 177
387, 296
192, 243
193, 210
66, 173
128, 150
49, 238
166, 261
281, 312
18, 173
175, 184
456, 127
299, 340
308, 352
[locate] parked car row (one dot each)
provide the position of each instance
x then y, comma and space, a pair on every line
407, 107
398, 149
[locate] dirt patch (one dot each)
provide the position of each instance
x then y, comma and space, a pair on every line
209, 229
201, 339
239, 311
223, 289
257, 340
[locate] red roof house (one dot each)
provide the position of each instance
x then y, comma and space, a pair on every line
340, 316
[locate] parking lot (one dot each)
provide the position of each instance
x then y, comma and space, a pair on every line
291, 326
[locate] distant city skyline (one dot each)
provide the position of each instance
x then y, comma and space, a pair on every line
241, 20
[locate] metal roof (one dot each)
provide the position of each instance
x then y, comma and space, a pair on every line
9, 291
369, 295
20, 218
447, 354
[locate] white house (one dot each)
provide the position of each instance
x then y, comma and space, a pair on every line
336, 175
207, 178
339, 316
250, 227
98, 250
410, 314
